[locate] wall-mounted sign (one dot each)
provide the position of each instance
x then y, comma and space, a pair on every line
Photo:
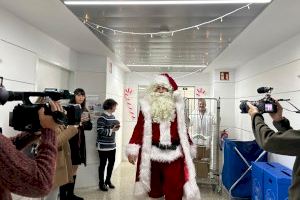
200, 92
224, 76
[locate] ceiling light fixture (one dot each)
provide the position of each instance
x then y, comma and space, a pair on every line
136, 65
166, 2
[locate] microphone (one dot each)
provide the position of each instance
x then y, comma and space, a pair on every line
264, 89
283, 99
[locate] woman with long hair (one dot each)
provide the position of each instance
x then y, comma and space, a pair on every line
77, 145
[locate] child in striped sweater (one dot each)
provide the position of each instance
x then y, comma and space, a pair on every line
107, 125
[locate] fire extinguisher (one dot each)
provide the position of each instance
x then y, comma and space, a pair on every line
223, 136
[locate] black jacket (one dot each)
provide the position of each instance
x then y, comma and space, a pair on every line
77, 144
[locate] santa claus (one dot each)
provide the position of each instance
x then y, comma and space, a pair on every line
161, 145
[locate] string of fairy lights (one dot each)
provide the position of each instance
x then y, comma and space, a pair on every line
101, 28
105, 31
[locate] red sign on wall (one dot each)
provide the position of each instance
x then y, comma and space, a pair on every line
224, 76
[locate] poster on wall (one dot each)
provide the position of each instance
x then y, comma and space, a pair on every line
95, 107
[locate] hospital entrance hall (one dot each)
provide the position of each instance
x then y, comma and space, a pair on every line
149, 99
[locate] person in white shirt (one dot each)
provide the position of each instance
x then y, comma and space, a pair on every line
201, 122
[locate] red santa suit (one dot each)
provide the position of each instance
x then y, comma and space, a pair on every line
165, 166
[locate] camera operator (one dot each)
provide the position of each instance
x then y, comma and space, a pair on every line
286, 141
25, 176
63, 173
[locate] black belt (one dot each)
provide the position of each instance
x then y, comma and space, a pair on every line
172, 146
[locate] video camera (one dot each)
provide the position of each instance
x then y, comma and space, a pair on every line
264, 105
24, 117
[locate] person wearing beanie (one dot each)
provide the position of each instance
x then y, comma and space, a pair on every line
161, 145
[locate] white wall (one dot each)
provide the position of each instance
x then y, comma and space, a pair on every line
21, 47
22, 34
115, 78
225, 90
278, 68
51, 76
91, 76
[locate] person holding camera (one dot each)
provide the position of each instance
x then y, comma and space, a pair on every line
77, 145
64, 172
25, 176
286, 141
107, 125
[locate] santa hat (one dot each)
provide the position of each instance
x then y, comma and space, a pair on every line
166, 80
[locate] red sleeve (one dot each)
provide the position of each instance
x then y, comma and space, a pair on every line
136, 139
23, 175
138, 132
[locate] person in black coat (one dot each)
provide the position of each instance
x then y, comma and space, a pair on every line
77, 145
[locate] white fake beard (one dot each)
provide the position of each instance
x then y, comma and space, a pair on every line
162, 107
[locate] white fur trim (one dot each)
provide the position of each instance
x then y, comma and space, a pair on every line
186, 150
162, 80
177, 96
165, 133
145, 165
191, 191
132, 149
165, 155
193, 151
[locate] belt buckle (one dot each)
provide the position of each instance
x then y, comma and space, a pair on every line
162, 146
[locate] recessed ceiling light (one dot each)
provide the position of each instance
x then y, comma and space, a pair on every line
166, 2
199, 66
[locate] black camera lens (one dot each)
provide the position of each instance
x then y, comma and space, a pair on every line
244, 107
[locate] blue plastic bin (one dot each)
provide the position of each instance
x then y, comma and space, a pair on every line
258, 169
258, 180
277, 183
234, 166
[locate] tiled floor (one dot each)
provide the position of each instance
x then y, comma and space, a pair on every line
123, 179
